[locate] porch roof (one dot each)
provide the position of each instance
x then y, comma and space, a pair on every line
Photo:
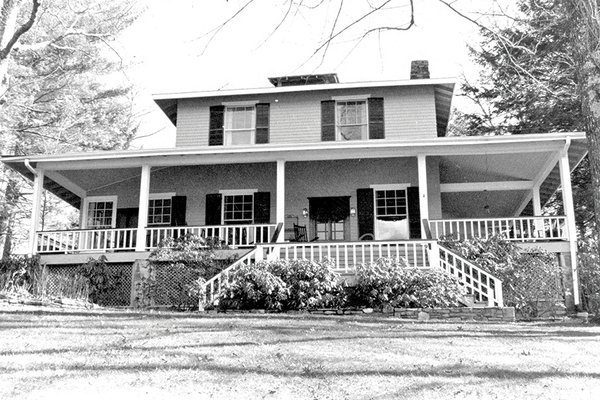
524, 159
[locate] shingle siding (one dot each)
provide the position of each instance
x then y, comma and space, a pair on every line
296, 117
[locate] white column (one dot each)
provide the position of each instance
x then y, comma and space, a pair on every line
538, 224
143, 209
567, 196
280, 204
423, 196
38, 188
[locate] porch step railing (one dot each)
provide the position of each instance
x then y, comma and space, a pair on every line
482, 285
346, 255
521, 229
85, 240
230, 235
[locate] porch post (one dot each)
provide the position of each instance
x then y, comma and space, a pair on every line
538, 224
280, 204
140, 244
567, 197
38, 188
423, 196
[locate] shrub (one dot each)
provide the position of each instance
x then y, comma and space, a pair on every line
311, 284
21, 274
531, 281
254, 286
390, 281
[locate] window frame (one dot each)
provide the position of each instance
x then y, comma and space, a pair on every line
236, 192
379, 188
160, 196
228, 131
98, 199
364, 98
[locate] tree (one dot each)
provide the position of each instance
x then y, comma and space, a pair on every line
63, 87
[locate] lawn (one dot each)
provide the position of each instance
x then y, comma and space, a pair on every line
75, 354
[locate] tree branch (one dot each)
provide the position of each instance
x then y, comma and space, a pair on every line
20, 31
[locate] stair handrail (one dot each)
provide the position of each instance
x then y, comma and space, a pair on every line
493, 294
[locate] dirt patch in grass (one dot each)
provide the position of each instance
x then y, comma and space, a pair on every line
100, 354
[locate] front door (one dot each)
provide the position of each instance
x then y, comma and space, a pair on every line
329, 218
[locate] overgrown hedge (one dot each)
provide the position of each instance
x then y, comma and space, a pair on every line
303, 285
531, 281
392, 282
21, 274
283, 285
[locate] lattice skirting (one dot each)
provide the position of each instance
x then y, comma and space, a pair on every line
62, 281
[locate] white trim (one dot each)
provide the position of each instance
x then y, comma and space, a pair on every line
96, 199
300, 151
390, 186
236, 192
357, 97
280, 198
305, 88
155, 196
244, 103
143, 205
423, 193
233, 192
38, 190
489, 186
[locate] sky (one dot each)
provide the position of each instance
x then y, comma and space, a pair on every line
181, 45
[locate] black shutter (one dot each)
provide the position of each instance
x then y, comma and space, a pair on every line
213, 209
262, 207
262, 123
215, 125
364, 202
327, 120
414, 212
178, 208
376, 127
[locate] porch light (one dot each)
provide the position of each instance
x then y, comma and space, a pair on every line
352, 212
305, 212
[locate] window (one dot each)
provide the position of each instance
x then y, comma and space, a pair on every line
240, 122
390, 205
100, 212
238, 209
159, 211
351, 120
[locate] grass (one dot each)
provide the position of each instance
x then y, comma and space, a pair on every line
48, 354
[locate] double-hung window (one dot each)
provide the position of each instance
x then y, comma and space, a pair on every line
351, 120
390, 205
159, 209
238, 208
100, 212
240, 124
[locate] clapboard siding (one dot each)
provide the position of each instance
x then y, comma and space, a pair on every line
192, 123
296, 117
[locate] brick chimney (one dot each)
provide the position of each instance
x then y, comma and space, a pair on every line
419, 69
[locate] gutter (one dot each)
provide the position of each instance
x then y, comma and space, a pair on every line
30, 168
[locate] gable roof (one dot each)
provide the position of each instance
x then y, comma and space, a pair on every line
443, 90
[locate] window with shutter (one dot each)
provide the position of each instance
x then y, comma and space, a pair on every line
236, 124
352, 119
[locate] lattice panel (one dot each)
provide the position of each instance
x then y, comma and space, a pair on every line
175, 285
63, 281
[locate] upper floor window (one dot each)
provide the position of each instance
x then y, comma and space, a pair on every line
240, 123
351, 120
100, 212
347, 118
234, 124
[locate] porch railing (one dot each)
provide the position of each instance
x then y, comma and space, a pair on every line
101, 240
86, 240
482, 285
347, 255
521, 229
231, 235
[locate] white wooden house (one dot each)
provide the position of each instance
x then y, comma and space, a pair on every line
366, 167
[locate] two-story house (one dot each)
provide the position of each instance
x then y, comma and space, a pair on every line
350, 171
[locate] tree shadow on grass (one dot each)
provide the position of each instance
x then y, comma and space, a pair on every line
459, 371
